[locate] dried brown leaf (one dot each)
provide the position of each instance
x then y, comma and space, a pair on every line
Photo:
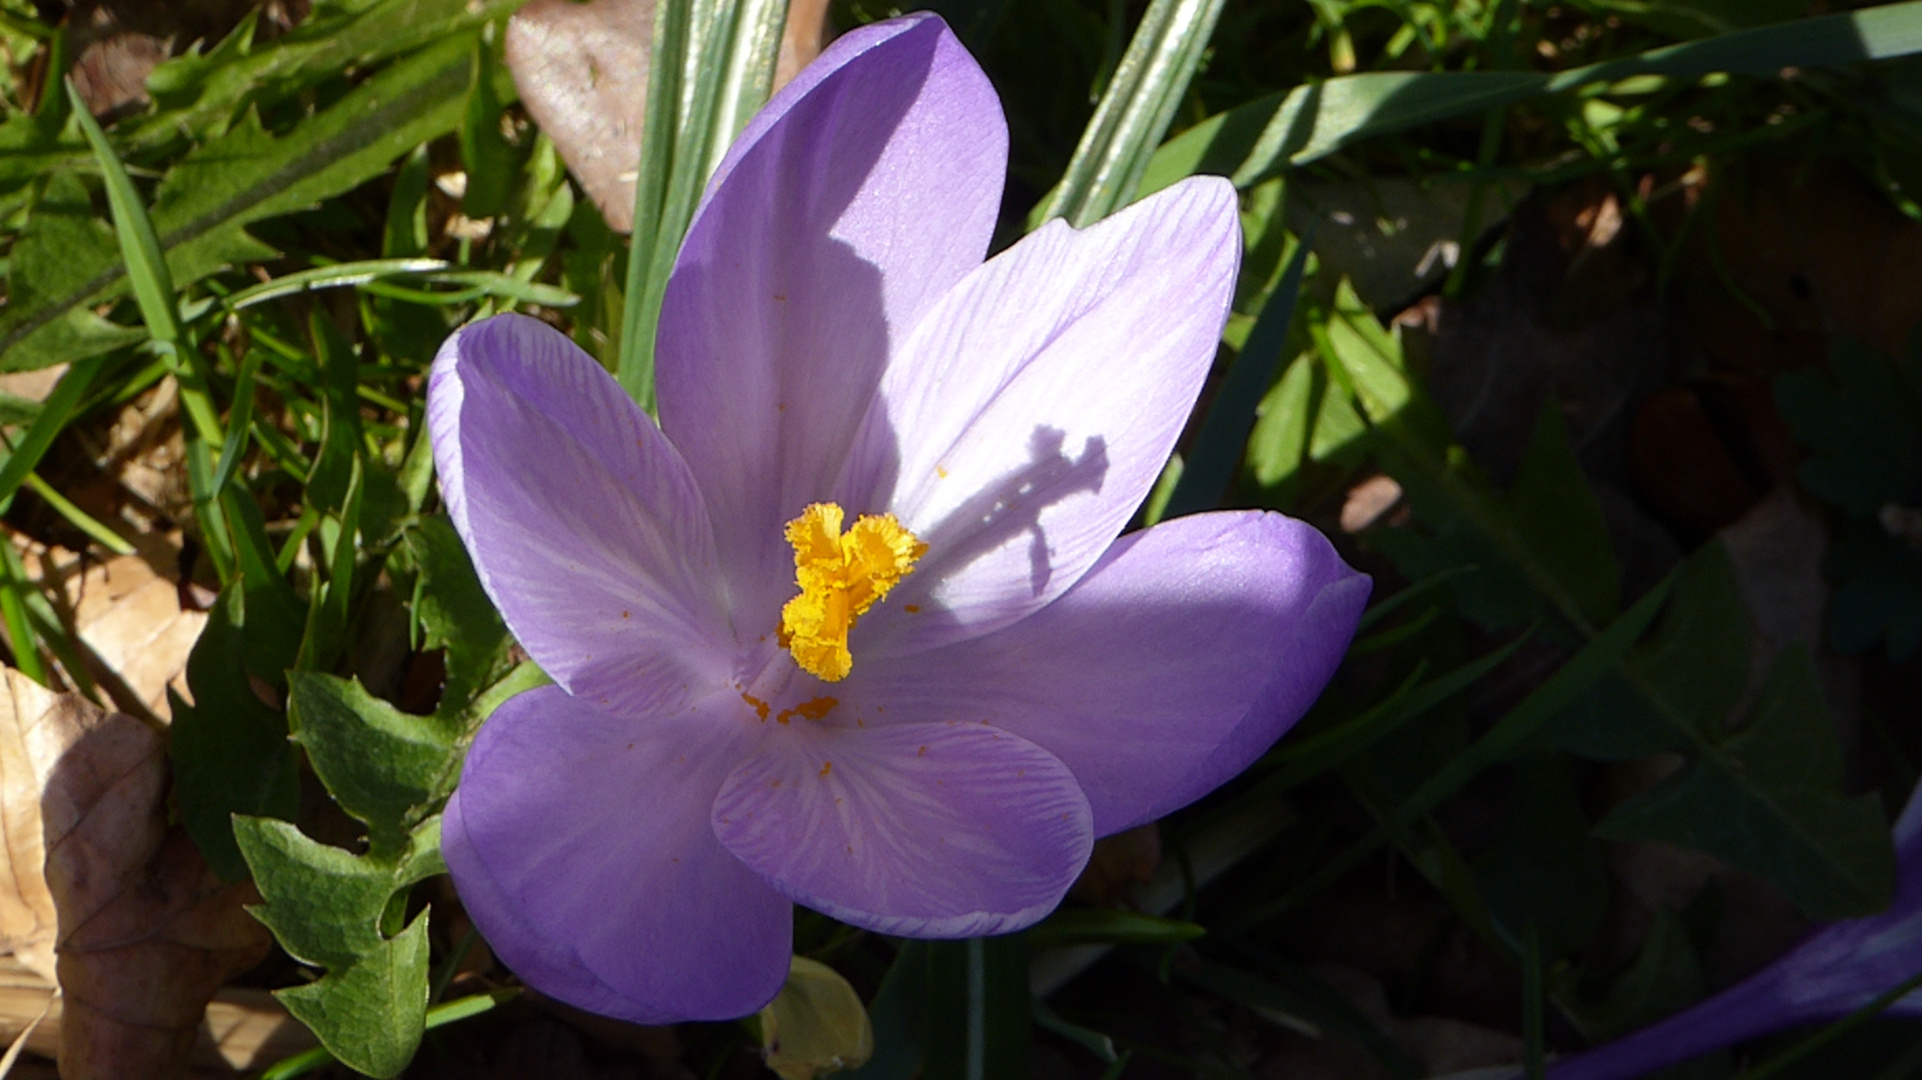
582, 71
245, 1028
126, 612
139, 931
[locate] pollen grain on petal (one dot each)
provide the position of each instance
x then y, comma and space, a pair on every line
811, 709
840, 575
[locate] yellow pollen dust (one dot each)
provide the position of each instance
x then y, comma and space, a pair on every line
841, 575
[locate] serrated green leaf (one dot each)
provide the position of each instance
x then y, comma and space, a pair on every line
1559, 520
374, 1010
1299, 992
387, 768
1664, 977
1861, 418
1701, 653
337, 910
456, 615
201, 209
1611, 723
1540, 546
1768, 800
50, 259
1545, 870
229, 748
1878, 592
199, 92
1516, 730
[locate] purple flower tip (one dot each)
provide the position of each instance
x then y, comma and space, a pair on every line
1839, 968
852, 627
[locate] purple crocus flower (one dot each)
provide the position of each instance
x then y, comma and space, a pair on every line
1836, 970
852, 627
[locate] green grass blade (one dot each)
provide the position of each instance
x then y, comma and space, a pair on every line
752, 51
672, 19
1265, 137
238, 424
53, 416
78, 518
13, 610
1134, 111
153, 286
330, 277
204, 204
1548, 701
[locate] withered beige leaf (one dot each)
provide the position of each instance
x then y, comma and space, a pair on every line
136, 929
245, 1028
126, 613
582, 71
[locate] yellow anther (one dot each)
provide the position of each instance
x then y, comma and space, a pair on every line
840, 576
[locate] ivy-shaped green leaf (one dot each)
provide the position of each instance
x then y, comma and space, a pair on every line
343, 912
455, 615
1862, 422
387, 768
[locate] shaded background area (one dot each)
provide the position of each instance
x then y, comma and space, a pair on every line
1644, 328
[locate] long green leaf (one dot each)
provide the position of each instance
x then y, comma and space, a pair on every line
1269, 135
1763, 788
199, 95
1547, 702
53, 417
153, 286
202, 207
713, 62
1134, 111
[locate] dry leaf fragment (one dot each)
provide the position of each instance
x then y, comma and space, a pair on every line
582, 74
245, 1028
136, 974
126, 613
582, 71
139, 931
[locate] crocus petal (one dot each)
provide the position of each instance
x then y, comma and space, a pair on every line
583, 522
1841, 967
1181, 656
1015, 493
580, 845
864, 190
1743, 1011
932, 830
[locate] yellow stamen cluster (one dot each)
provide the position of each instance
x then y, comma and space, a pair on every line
841, 576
